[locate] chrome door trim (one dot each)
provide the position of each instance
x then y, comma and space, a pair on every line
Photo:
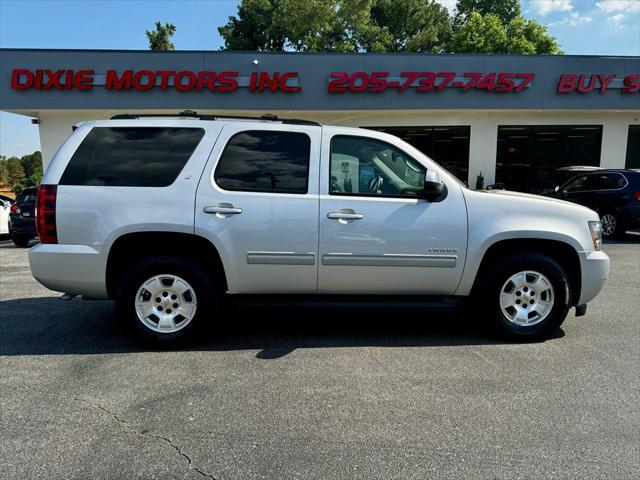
280, 258
389, 260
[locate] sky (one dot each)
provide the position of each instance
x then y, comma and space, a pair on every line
582, 27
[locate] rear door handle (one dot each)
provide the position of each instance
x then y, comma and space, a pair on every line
345, 215
223, 208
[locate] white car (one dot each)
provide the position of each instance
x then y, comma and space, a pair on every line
168, 215
5, 207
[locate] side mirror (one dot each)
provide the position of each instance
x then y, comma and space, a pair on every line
434, 189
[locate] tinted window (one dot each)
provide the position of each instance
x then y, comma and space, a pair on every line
131, 156
27, 196
364, 166
575, 185
265, 161
633, 147
529, 157
604, 181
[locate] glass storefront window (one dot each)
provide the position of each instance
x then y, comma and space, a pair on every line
529, 157
449, 146
633, 147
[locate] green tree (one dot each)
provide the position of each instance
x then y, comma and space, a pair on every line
4, 174
487, 34
409, 26
505, 10
32, 166
15, 172
338, 26
160, 38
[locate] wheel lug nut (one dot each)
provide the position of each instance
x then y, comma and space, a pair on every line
531, 302
160, 309
175, 305
168, 310
518, 302
164, 294
158, 299
173, 297
517, 294
525, 289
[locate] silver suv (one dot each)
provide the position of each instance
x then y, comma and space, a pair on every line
171, 215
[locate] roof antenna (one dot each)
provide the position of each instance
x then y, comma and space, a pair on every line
188, 113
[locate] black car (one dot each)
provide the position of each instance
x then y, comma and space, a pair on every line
22, 221
614, 194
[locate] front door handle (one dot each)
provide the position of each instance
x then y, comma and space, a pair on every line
345, 215
223, 209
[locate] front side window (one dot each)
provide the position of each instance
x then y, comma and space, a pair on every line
575, 185
364, 166
265, 161
131, 156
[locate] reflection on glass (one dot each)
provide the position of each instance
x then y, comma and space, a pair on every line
529, 157
265, 161
447, 145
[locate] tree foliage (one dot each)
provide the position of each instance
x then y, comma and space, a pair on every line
480, 26
487, 34
505, 10
338, 26
160, 38
19, 173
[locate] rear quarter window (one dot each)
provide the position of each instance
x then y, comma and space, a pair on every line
131, 156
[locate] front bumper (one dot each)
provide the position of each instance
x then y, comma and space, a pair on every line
76, 269
595, 272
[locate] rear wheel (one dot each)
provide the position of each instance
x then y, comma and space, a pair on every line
526, 296
20, 241
167, 299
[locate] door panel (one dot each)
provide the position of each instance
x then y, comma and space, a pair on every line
382, 244
268, 241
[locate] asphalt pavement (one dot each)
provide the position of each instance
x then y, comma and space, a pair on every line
309, 395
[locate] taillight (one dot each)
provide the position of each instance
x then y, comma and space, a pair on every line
46, 213
14, 208
637, 196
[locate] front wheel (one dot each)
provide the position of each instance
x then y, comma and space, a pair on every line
527, 296
611, 225
167, 299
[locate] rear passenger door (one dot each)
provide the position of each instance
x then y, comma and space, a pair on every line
257, 202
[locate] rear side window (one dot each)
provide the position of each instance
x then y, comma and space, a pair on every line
131, 156
265, 161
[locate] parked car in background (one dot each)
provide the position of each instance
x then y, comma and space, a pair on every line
565, 173
613, 193
22, 222
5, 205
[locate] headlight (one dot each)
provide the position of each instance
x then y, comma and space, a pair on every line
596, 234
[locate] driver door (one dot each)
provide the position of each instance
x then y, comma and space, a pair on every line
376, 235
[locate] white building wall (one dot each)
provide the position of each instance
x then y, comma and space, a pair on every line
55, 127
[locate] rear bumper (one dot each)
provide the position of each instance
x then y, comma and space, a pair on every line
22, 227
595, 271
76, 269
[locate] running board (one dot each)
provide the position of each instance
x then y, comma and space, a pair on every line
347, 302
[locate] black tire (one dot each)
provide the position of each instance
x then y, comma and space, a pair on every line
21, 242
208, 297
489, 295
618, 230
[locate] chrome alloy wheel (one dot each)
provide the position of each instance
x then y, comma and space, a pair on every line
526, 298
166, 303
608, 224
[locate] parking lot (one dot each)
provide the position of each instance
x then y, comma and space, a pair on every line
315, 395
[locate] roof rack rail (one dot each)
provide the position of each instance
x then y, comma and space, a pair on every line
192, 114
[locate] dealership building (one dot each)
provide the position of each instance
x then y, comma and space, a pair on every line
514, 119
